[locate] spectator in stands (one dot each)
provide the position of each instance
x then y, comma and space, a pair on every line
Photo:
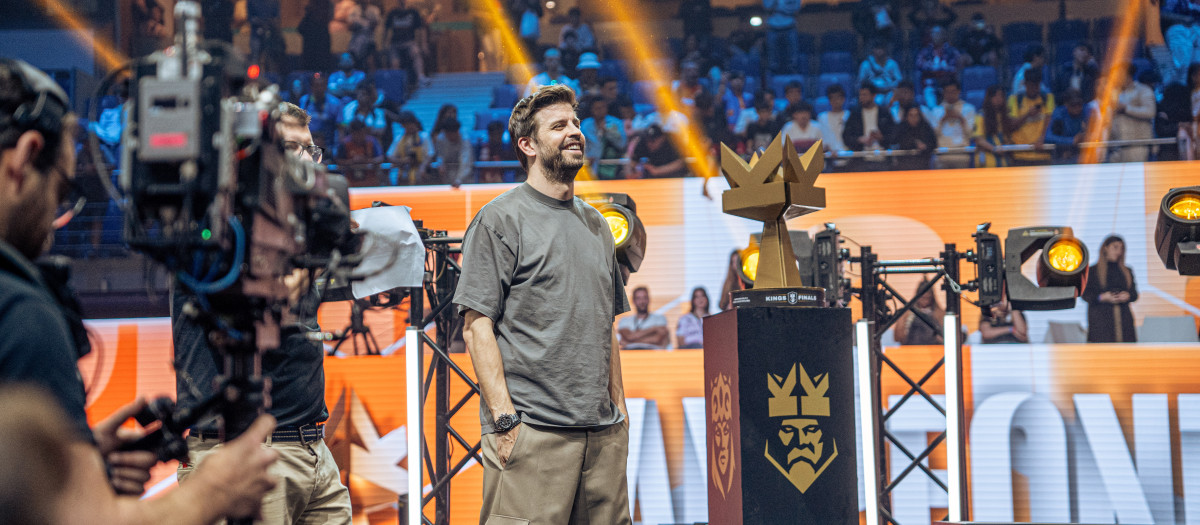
1035, 58
585, 40
314, 32
713, 123
939, 62
410, 153
793, 93
1133, 117
1080, 73
359, 154
696, 16
800, 129
1109, 290
904, 95
1174, 120
1030, 116
914, 133
954, 123
913, 331
589, 75
991, 129
833, 121
880, 69
610, 89
1180, 20
752, 114
570, 55
1003, 325
672, 122
455, 160
622, 108
643, 330
446, 114
981, 44
930, 14
735, 99
324, 108
783, 42
761, 131
605, 136
150, 27
688, 85
363, 109
408, 39
869, 127
689, 330
655, 157
552, 73
874, 20
495, 150
362, 34
1068, 127
345, 80
529, 20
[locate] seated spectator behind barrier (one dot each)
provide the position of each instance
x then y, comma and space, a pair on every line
762, 130
752, 114
446, 114
1068, 127
736, 99
1029, 113
713, 124
991, 129
800, 129
1133, 116
833, 122
1004, 325
914, 133
981, 44
346, 79
552, 73
1080, 73
879, 69
954, 123
1035, 58
903, 96
939, 62
605, 136
688, 85
689, 330
363, 109
455, 157
869, 127
589, 75
643, 329
913, 331
359, 154
610, 89
324, 108
793, 93
655, 157
495, 149
410, 153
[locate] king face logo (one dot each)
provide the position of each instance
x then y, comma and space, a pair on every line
721, 413
798, 451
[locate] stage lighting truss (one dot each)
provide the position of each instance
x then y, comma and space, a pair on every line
1177, 234
629, 234
1061, 269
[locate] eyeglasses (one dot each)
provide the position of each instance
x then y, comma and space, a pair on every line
70, 198
296, 148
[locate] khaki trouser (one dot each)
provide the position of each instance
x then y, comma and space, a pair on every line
309, 489
558, 476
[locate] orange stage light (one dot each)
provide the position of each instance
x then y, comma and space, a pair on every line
108, 55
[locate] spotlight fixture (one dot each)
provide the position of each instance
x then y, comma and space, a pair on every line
826, 267
1061, 270
989, 263
1177, 235
629, 235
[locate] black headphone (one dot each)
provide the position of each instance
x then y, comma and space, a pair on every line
49, 105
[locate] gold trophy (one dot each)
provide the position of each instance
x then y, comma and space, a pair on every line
773, 187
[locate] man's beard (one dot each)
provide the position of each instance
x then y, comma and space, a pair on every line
557, 167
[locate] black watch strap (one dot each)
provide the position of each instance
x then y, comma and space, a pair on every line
505, 422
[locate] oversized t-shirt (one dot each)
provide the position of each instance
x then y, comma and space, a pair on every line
545, 272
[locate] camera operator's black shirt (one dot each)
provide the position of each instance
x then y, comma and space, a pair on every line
35, 345
295, 370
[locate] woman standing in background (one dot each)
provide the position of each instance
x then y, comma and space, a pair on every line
689, 331
1110, 289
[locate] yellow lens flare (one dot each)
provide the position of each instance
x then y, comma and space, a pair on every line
1065, 256
618, 224
1186, 207
1120, 51
750, 263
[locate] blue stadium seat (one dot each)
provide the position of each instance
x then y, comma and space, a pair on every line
1064, 30
808, 44
643, 109
779, 82
802, 64
752, 84
979, 77
840, 41
1022, 32
748, 63
1102, 29
1143, 65
392, 83
837, 62
1064, 51
484, 117
1016, 52
845, 80
975, 97
615, 69
505, 96
642, 92
820, 105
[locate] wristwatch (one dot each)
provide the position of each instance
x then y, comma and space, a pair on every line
506, 422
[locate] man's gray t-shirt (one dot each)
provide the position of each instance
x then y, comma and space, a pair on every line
545, 272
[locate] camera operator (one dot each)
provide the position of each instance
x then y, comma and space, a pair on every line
37, 170
310, 488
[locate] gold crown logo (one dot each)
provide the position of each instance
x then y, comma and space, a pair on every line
813, 403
